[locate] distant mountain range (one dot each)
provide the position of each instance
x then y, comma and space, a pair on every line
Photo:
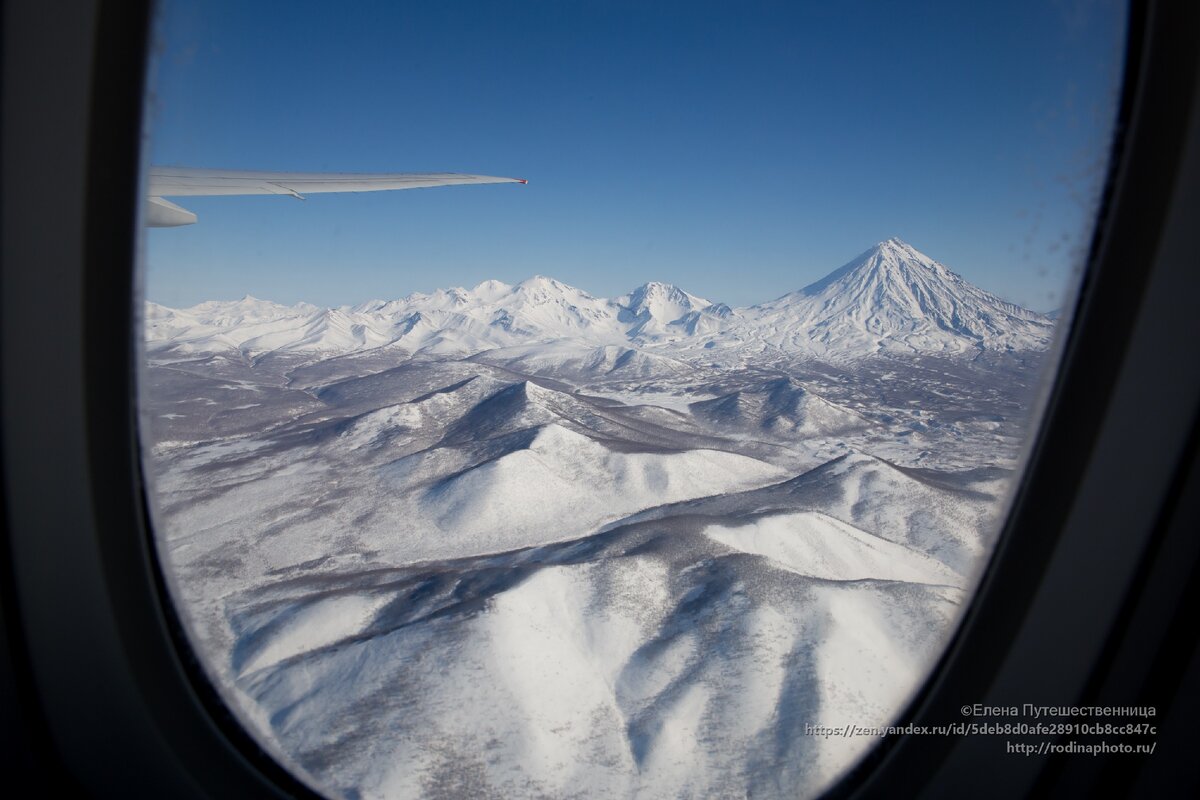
890, 299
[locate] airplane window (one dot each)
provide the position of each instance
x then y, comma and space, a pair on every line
646, 478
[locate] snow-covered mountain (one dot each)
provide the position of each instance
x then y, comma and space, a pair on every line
894, 297
660, 310
891, 298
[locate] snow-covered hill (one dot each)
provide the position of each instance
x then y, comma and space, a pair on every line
891, 298
781, 406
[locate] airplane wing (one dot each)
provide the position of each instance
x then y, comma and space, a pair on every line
192, 181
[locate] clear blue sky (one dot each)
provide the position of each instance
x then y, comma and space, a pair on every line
738, 150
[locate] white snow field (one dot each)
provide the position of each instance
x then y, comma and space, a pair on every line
520, 541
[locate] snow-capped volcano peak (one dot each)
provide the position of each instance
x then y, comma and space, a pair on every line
898, 245
890, 260
895, 286
894, 297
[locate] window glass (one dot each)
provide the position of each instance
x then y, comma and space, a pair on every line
636, 479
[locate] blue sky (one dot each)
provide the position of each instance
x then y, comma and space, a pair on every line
738, 150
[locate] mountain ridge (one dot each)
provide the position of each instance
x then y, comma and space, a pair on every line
890, 298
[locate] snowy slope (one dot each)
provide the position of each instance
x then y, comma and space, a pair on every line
554, 484
582, 360
782, 407
650, 661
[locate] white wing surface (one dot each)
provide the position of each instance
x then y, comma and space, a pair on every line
192, 181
